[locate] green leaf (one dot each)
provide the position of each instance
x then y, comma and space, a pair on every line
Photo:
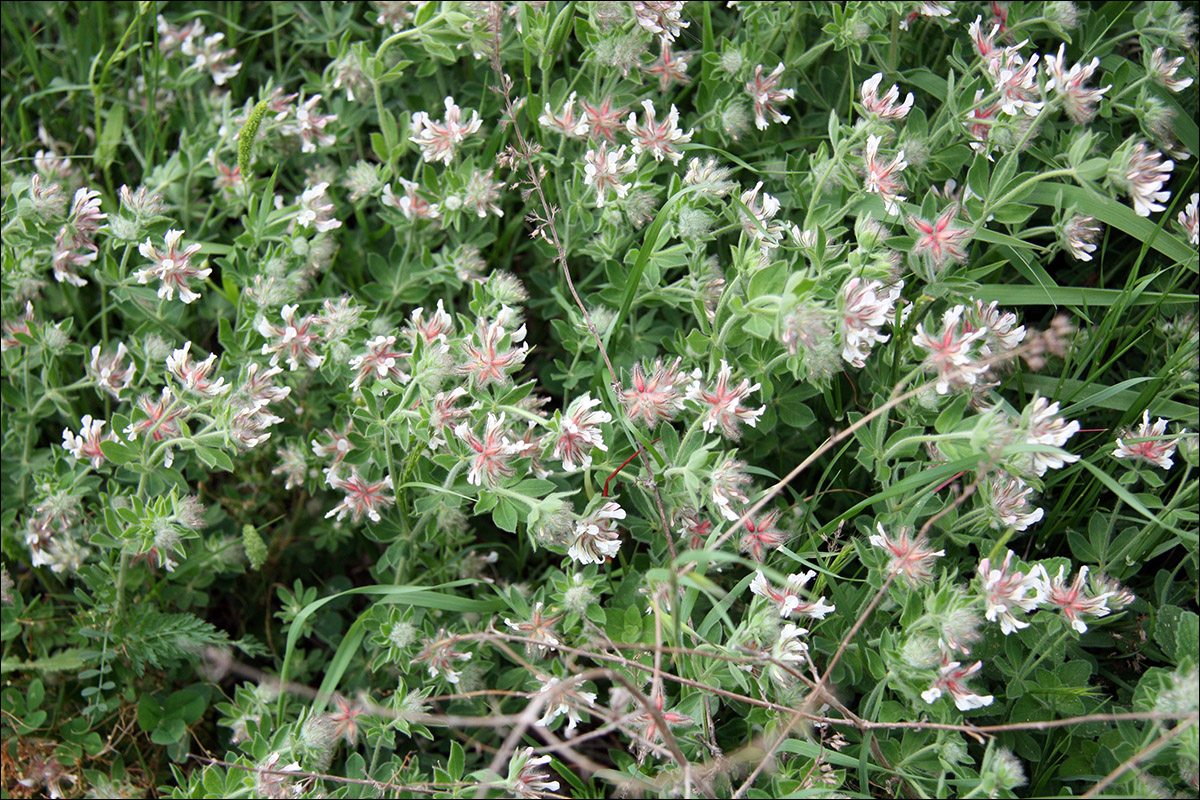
505, 516
168, 731
119, 454
1025, 295
35, 694
457, 760
793, 411
1116, 214
406, 595
110, 137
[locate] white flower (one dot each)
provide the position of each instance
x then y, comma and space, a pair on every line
440, 140
659, 139
596, 539
1157, 452
86, 445
603, 171
885, 107
1042, 425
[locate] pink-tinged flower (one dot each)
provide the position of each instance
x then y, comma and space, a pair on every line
789, 600
86, 216
865, 307
1042, 425
444, 415
885, 107
595, 539
762, 535
579, 431
316, 210
670, 67
173, 268
540, 628
722, 406
764, 94
980, 120
259, 386
210, 58
171, 37
659, 139
647, 725
1009, 505
911, 559
439, 141
603, 121
728, 478
952, 681
925, 9
490, 464
229, 179
941, 241
493, 358
109, 371
196, 377
760, 223
20, 325
67, 258
397, 14
657, 396
161, 422
603, 171
310, 126
1078, 100
1163, 70
1005, 592
1016, 81
985, 43
295, 339
1189, 220
788, 654
566, 700
530, 781
440, 654
482, 194
344, 718
271, 780
1072, 600
692, 528
565, 123
249, 422
86, 445
1142, 176
412, 205
362, 498
438, 328
381, 359
950, 353
1157, 452
337, 447
1003, 336
884, 179
1117, 595
1079, 236
660, 17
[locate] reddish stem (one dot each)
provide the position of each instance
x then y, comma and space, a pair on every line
624, 464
